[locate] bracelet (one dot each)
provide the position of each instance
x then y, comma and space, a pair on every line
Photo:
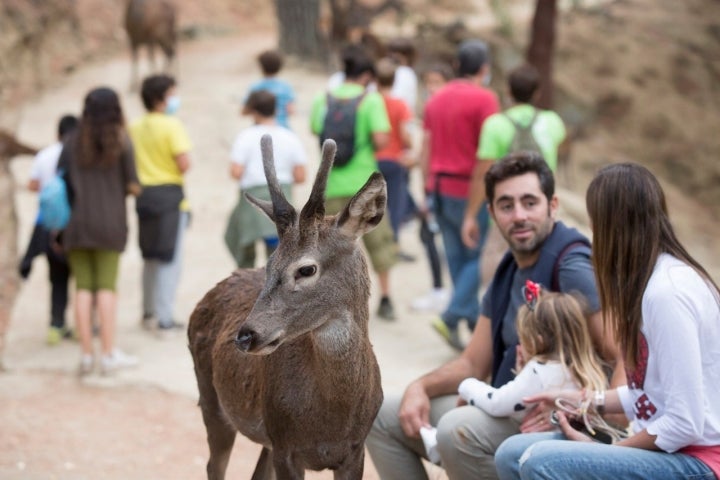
599, 401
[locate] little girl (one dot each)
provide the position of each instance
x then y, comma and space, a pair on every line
556, 350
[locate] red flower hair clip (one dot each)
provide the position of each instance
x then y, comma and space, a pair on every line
531, 293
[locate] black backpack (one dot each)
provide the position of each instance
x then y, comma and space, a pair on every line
523, 138
339, 125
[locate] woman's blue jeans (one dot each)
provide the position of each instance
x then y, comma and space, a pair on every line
550, 456
463, 262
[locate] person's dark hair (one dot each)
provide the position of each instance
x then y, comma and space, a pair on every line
404, 47
270, 62
356, 61
472, 55
524, 82
154, 88
631, 228
261, 101
385, 70
441, 68
516, 164
102, 128
68, 123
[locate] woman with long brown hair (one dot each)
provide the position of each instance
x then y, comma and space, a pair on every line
99, 167
664, 309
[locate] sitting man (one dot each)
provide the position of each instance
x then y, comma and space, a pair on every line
522, 202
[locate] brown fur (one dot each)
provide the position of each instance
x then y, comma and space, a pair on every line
282, 355
9, 279
151, 23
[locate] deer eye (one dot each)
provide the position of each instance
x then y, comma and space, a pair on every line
306, 271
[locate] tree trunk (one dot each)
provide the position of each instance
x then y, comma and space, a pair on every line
298, 22
541, 50
9, 279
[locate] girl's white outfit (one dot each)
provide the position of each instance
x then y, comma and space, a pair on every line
506, 401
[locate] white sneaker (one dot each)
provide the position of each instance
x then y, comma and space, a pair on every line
117, 360
87, 364
435, 301
429, 438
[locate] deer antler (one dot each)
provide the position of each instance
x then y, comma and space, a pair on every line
280, 211
314, 209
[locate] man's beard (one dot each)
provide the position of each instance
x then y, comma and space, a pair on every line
533, 244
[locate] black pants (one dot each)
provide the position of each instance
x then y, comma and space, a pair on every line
59, 273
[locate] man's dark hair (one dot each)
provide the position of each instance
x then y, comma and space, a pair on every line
67, 124
516, 164
270, 62
261, 102
356, 61
472, 55
385, 70
154, 88
524, 82
404, 47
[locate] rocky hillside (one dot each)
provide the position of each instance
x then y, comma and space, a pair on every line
636, 79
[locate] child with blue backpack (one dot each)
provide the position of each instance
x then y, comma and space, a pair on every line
42, 242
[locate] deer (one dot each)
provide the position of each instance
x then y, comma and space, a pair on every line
150, 23
9, 278
282, 354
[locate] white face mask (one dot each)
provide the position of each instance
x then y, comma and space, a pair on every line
172, 104
487, 78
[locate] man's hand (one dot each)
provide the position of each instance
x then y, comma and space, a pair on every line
470, 232
414, 410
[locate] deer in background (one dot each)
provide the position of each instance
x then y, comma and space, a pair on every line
282, 355
151, 22
9, 278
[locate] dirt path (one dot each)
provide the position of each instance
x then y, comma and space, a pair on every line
145, 423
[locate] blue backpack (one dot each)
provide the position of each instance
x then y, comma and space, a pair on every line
54, 204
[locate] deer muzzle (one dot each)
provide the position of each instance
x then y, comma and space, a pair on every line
250, 341
244, 339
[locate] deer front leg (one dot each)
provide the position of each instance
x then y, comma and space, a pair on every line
353, 466
264, 467
133, 68
285, 467
220, 434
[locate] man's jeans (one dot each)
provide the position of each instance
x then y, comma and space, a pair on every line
463, 262
550, 456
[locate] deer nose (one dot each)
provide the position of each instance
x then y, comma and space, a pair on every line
244, 339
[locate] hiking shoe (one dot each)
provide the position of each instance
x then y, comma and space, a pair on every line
450, 335
148, 322
116, 361
435, 301
386, 310
87, 364
54, 336
24, 269
166, 330
406, 257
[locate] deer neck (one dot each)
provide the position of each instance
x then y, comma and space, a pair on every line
340, 337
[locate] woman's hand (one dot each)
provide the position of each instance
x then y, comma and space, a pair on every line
537, 418
569, 431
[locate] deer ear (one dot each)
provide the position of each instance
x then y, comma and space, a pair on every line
365, 209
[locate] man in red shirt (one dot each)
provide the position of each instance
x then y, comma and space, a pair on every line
453, 120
